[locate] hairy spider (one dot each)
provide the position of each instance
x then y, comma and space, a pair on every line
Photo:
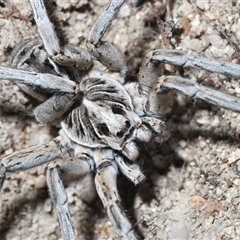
103, 118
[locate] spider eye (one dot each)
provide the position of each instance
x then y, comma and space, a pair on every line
103, 129
120, 134
117, 109
127, 124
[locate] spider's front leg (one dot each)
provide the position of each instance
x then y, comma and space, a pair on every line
105, 52
59, 198
153, 87
106, 185
81, 165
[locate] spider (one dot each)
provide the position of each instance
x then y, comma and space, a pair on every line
103, 119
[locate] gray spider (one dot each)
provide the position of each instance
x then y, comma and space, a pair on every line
102, 118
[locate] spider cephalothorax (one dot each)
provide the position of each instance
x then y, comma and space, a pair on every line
102, 118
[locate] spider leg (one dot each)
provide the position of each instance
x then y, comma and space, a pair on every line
106, 185
53, 108
181, 59
59, 198
131, 171
157, 127
45, 27
105, 52
149, 72
81, 166
153, 87
68, 55
191, 88
31, 56
78, 167
33, 156
44, 81
151, 127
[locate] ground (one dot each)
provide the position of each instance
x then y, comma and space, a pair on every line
191, 191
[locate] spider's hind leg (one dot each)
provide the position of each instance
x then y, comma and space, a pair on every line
68, 55
105, 52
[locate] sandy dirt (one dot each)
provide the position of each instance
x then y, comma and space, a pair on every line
192, 186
